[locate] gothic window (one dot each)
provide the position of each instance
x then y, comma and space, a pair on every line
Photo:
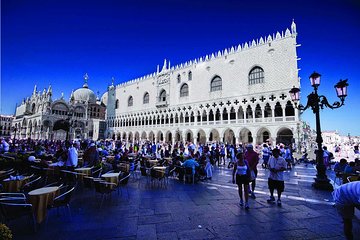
217, 115
256, 76
190, 76
162, 97
211, 115
117, 104
240, 113
267, 111
225, 114
232, 113
278, 110
216, 84
130, 101
249, 113
289, 109
258, 111
184, 90
178, 78
146, 98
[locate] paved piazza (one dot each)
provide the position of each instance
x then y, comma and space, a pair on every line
206, 210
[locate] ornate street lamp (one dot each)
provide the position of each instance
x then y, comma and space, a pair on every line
14, 129
317, 102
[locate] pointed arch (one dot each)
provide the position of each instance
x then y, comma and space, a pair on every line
184, 90
146, 98
130, 101
289, 109
216, 84
278, 112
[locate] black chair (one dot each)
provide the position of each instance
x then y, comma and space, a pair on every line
12, 196
7, 173
123, 182
69, 177
96, 172
63, 200
33, 183
104, 188
14, 208
88, 182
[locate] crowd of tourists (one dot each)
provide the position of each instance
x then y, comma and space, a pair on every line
201, 159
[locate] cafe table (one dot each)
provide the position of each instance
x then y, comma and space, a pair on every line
40, 199
84, 170
14, 184
111, 177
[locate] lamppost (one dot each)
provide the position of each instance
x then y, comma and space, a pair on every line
14, 129
317, 102
298, 135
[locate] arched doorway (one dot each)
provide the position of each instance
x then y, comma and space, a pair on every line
285, 136
246, 136
201, 136
262, 136
168, 137
160, 136
143, 136
61, 128
229, 136
189, 136
151, 136
137, 136
130, 138
214, 136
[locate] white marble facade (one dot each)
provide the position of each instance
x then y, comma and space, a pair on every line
239, 94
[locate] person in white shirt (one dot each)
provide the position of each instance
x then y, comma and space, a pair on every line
72, 160
347, 198
5, 145
277, 166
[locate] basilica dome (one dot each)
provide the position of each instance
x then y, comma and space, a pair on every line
84, 94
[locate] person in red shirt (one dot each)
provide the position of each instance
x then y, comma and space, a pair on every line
253, 159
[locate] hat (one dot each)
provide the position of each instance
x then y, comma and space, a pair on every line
250, 146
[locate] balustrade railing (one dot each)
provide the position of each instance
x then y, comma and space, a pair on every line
218, 122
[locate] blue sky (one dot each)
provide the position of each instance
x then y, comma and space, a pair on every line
55, 42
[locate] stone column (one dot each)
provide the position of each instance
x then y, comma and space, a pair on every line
283, 112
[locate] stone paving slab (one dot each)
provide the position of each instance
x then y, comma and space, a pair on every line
206, 210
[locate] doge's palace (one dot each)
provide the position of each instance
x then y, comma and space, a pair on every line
238, 94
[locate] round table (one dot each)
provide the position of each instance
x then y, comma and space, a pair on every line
111, 177
14, 185
40, 199
84, 170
